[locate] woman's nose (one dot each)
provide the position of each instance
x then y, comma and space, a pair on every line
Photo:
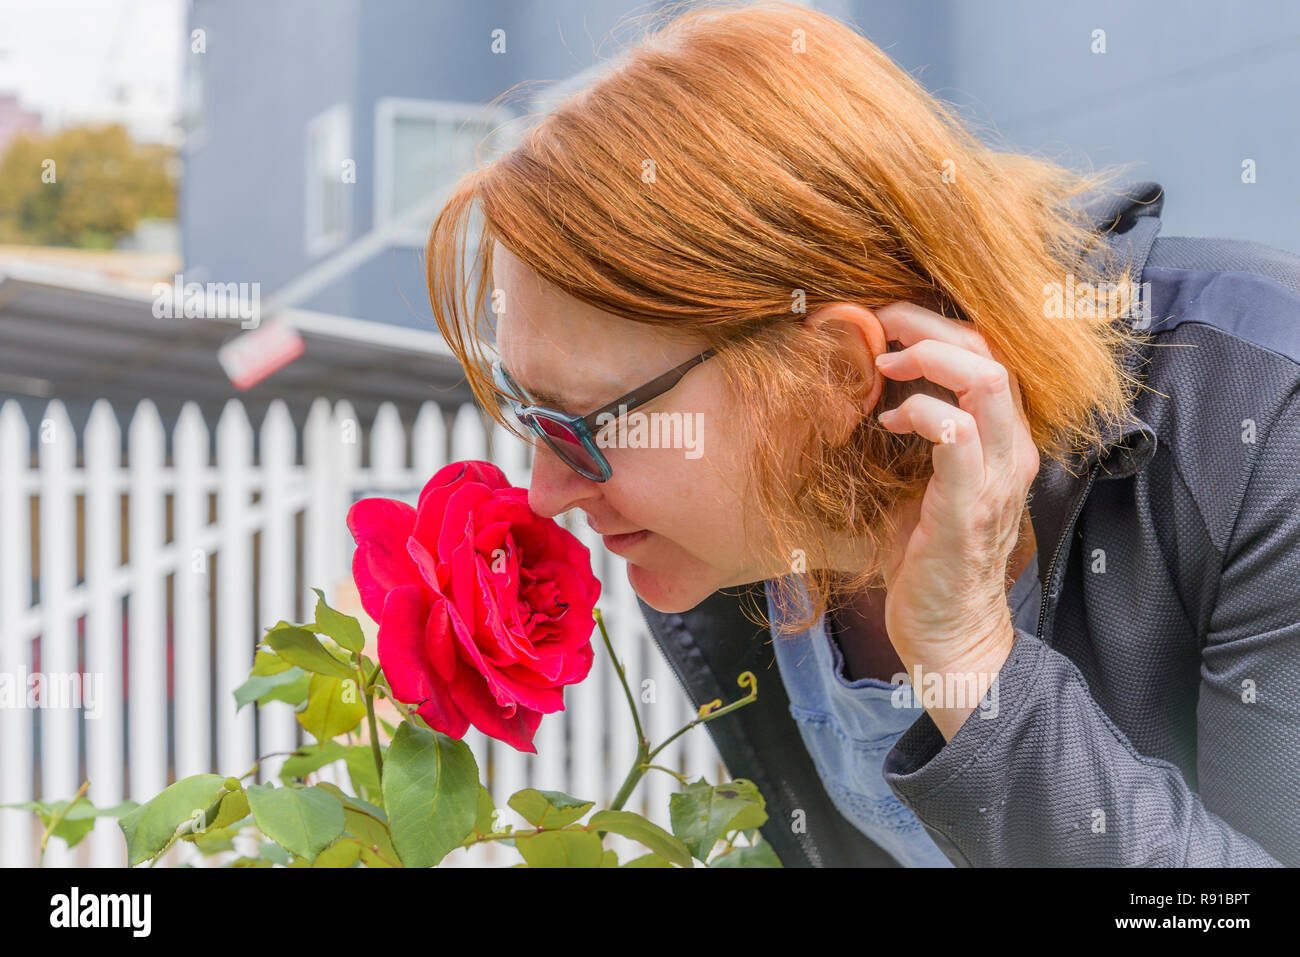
555, 487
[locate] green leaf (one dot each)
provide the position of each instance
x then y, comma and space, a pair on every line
342, 853
291, 692
483, 820
77, 821
356, 803
232, 809
576, 848
649, 860
273, 853
638, 829
334, 706
309, 758
430, 793
610, 859
304, 821
150, 826
250, 862
74, 826
300, 647
551, 809
266, 663
342, 628
362, 771
290, 685
377, 849
213, 841
84, 809
702, 813
386, 726
757, 855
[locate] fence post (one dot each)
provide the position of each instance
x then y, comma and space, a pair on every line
428, 441
277, 453
237, 630
60, 722
17, 848
105, 757
146, 625
192, 586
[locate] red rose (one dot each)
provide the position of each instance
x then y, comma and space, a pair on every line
484, 607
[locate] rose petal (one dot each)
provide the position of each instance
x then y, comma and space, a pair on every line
380, 527
406, 665
497, 644
474, 657
566, 668
515, 726
433, 576
451, 475
455, 524
490, 537
438, 641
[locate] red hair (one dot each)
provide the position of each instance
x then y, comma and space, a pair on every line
741, 162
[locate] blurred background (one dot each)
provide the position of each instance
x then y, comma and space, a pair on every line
215, 333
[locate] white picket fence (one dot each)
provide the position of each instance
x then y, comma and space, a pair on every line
250, 534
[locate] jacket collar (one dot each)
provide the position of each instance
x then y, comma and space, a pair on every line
1130, 221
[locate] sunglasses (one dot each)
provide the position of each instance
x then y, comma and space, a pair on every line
573, 437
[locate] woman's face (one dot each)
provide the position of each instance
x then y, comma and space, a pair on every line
688, 499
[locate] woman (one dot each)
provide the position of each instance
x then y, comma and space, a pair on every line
730, 229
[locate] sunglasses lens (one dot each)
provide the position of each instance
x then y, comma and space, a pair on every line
567, 445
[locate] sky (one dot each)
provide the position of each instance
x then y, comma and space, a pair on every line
96, 60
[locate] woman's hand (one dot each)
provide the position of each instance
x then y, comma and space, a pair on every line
946, 605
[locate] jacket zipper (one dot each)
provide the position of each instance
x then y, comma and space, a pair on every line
681, 682
1051, 568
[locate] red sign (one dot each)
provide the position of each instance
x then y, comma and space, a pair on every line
250, 358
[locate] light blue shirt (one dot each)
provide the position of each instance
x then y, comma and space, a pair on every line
849, 726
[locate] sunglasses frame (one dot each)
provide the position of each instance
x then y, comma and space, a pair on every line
585, 427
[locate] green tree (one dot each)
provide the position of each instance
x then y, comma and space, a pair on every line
83, 186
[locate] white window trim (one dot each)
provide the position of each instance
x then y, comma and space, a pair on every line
387, 111
316, 243
193, 78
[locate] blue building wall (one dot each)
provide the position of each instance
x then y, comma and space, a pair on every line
267, 70
1189, 90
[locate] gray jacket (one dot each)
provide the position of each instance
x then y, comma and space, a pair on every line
1154, 718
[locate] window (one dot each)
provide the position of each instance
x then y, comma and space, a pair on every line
421, 148
330, 176
191, 106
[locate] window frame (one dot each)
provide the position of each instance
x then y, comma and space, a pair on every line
317, 242
388, 110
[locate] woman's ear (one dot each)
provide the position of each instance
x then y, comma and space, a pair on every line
860, 338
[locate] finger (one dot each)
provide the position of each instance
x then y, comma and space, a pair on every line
958, 453
981, 385
909, 323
